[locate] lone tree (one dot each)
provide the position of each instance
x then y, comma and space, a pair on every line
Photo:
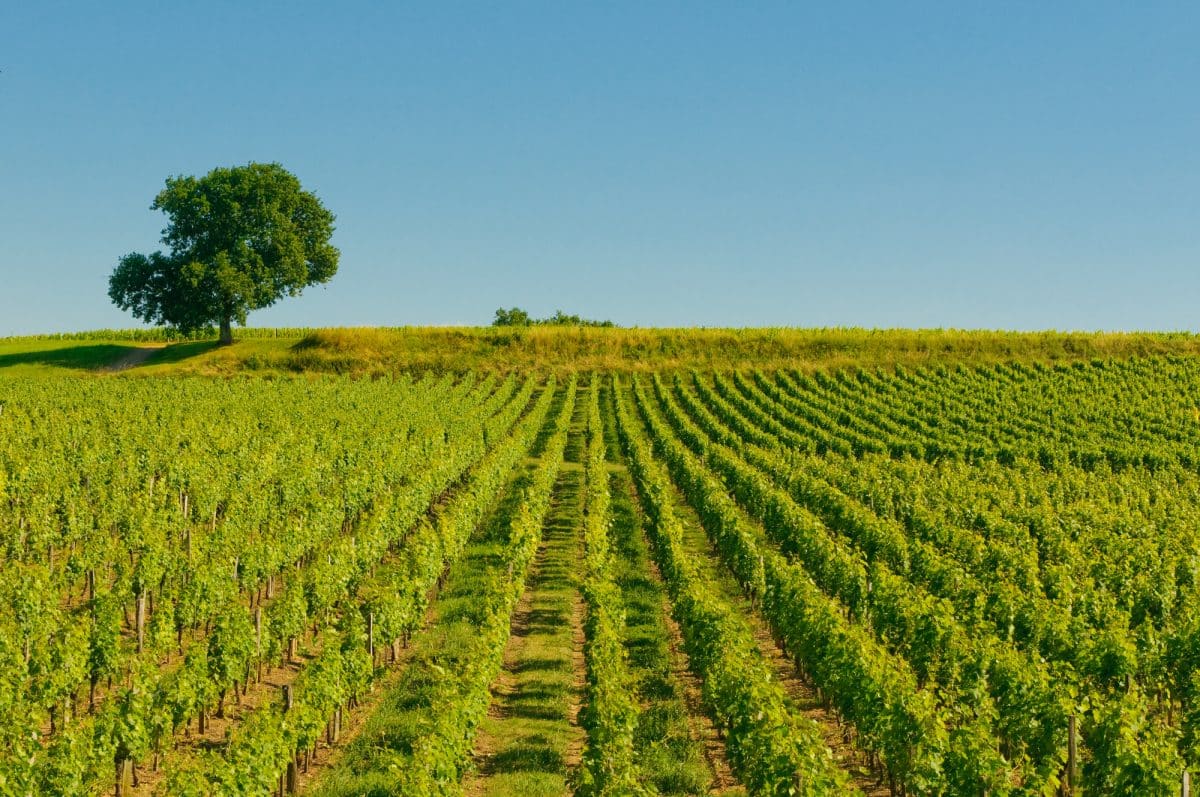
239, 239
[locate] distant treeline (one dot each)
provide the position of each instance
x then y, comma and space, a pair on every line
516, 317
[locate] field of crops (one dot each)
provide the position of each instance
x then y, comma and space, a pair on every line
971, 580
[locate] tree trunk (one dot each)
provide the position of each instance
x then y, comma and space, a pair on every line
226, 332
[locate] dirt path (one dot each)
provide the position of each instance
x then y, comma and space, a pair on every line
531, 743
579, 678
133, 358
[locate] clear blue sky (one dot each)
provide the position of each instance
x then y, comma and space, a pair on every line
1020, 165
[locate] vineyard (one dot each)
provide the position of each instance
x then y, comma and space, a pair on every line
975, 579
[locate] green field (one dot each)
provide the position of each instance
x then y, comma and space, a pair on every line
600, 561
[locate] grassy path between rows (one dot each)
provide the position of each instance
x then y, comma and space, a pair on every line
531, 742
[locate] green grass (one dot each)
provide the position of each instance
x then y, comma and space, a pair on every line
207, 358
83, 357
529, 738
175, 354
50, 357
528, 733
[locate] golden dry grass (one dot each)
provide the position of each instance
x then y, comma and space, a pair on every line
581, 349
367, 351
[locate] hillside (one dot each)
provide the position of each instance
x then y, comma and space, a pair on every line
369, 351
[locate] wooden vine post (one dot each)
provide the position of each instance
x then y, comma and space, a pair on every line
258, 639
291, 777
1072, 757
141, 620
371, 636
187, 527
124, 777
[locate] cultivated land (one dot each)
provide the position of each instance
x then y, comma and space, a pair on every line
545, 561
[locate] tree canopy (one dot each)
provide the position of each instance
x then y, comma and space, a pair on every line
239, 239
516, 317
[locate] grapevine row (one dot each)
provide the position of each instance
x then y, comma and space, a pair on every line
773, 750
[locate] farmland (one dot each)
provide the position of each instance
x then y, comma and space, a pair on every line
602, 562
